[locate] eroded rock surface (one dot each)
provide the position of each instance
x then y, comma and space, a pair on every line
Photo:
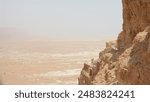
127, 60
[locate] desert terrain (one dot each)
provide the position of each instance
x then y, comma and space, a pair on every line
45, 62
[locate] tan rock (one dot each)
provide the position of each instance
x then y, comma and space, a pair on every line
129, 61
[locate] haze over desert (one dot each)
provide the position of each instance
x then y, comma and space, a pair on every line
48, 41
49, 62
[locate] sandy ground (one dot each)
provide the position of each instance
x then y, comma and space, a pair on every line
51, 62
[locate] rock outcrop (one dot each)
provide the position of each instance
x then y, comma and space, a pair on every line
127, 60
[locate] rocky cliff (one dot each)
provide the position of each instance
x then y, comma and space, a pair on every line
126, 60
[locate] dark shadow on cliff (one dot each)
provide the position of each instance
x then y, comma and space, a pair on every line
139, 62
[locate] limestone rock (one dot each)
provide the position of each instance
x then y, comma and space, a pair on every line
136, 17
134, 63
127, 60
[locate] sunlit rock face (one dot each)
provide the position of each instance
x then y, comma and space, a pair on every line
127, 60
136, 17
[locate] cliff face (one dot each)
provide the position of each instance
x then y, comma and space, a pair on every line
136, 16
127, 60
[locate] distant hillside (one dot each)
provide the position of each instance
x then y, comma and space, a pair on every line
13, 34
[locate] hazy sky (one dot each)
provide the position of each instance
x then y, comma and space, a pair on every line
60, 19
